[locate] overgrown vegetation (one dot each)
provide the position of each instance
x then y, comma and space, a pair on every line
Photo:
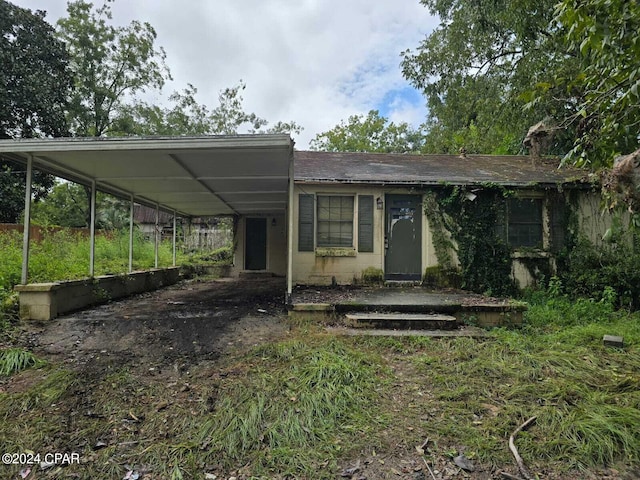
62, 255
313, 403
613, 266
219, 256
470, 218
474, 393
14, 360
294, 412
288, 409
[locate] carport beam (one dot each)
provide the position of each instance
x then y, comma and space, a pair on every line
92, 231
27, 222
131, 234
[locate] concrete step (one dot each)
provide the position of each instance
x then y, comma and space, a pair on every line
402, 321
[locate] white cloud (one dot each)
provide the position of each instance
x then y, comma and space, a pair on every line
312, 61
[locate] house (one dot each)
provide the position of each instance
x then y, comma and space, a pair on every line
329, 218
362, 212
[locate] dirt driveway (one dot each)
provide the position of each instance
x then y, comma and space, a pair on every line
183, 324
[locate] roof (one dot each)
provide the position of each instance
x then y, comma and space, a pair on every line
195, 176
414, 170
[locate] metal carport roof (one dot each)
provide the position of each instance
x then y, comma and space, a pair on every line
193, 176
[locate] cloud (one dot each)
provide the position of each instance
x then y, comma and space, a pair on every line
312, 61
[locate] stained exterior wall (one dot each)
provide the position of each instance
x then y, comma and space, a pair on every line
311, 268
276, 245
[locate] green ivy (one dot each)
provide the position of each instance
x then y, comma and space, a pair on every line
471, 217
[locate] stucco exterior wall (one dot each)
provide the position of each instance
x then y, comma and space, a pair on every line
346, 265
593, 221
276, 245
320, 270
313, 269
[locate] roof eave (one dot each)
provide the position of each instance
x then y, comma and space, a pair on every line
37, 145
577, 183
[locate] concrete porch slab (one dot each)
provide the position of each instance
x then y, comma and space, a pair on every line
380, 332
466, 307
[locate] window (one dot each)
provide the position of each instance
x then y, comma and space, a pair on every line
335, 221
524, 222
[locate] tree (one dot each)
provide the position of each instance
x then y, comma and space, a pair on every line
67, 206
34, 78
34, 85
188, 117
477, 68
603, 35
109, 63
370, 133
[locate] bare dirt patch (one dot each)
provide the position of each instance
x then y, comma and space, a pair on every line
188, 323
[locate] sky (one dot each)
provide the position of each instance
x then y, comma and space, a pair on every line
315, 62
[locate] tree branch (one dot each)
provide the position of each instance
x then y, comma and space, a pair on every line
512, 446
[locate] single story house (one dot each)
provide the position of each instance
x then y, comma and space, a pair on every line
326, 217
357, 212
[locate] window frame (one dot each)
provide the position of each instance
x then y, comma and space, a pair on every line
511, 224
321, 222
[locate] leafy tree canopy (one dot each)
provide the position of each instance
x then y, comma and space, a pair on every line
603, 35
476, 69
109, 63
34, 85
34, 78
370, 133
188, 117
493, 68
67, 206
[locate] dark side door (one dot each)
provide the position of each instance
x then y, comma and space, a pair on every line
255, 257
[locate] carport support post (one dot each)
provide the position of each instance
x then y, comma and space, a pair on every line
131, 235
155, 247
290, 236
26, 237
174, 238
92, 230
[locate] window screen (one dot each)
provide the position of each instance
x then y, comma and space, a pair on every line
525, 222
335, 221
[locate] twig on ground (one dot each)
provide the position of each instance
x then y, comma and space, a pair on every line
512, 446
425, 443
429, 468
508, 476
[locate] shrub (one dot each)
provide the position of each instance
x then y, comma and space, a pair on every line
611, 270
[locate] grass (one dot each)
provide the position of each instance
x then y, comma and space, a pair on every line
14, 360
294, 412
586, 396
291, 408
62, 255
307, 406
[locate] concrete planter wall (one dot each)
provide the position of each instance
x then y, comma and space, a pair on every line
45, 301
189, 271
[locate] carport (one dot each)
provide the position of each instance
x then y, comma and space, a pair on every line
241, 175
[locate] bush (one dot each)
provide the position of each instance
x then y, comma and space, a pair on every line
220, 256
611, 270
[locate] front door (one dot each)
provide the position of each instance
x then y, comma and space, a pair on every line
403, 237
255, 257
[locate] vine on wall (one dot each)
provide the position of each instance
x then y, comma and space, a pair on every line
441, 240
471, 219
